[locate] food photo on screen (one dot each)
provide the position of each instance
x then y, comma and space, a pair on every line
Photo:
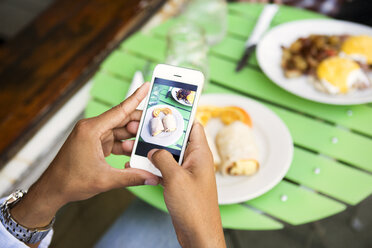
166, 117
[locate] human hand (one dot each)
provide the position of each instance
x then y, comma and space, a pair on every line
79, 171
190, 192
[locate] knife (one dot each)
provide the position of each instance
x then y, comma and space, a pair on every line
262, 25
169, 92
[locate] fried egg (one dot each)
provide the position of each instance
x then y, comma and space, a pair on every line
358, 48
338, 75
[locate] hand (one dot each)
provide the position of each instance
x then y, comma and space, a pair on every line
79, 171
190, 192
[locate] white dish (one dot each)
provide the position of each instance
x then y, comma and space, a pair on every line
269, 54
164, 138
275, 150
181, 101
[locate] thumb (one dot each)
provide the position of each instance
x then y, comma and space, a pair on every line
164, 161
131, 177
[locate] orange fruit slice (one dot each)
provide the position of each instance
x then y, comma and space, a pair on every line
226, 114
156, 112
233, 113
166, 111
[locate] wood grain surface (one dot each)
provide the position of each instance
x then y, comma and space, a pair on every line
54, 56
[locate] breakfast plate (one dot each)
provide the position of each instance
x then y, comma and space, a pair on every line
181, 101
269, 54
164, 138
274, 144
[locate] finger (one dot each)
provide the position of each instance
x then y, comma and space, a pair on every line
122, 133
164, 161
127, 165
131, 177
198, 146
127, 146
197, 136
117, 148
132, 127
116, 116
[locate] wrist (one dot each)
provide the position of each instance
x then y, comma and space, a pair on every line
37, 208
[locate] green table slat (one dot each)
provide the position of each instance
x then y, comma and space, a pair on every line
347, 184
122, 64
109, 89
240, 217
317, 136
302, 206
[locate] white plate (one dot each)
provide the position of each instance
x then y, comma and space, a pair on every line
275, 150
164, 138
269, 54
181, 101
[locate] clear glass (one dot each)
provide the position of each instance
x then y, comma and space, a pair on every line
211, 15
187, 47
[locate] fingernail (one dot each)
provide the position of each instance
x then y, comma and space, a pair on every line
149, 155
152, 182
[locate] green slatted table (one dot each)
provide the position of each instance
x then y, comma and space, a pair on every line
325, 177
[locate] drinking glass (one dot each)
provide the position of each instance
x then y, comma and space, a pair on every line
211, 15
187, 47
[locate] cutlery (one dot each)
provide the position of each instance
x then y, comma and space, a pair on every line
262, 25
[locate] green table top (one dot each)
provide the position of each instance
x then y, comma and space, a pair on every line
343, 168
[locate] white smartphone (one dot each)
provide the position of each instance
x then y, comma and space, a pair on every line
169, 114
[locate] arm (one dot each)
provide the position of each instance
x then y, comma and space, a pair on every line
190, 192
79, 171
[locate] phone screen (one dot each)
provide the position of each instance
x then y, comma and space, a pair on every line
166, 117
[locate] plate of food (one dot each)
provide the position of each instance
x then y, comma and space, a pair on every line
252, 147
183, 96
326, 61
163, 124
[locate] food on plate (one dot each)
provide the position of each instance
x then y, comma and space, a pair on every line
234, 149
303, 56
238, 149
227, 114
337, 75
169, 123
156, 126
157, 111
214, 151
358, 48
335, 64
187, 96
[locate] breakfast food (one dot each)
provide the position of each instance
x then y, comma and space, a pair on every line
304, 55
238, 150
338, 75
335, 64
359, 48
186, 95
157, 111
234, 149
156, 126
227, 114
169, 123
